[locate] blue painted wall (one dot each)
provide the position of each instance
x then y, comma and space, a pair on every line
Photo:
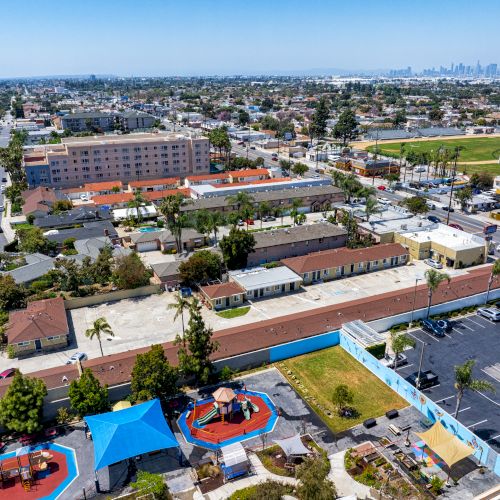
303, 346
422, 403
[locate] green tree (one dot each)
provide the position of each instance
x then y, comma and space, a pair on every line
31, 240
263, 209
99, 327
464, 381
102, 269
153, 376
416, 205
313, 480
346, 126
294, 211
69, 275
243, 117
201, 267
371, 206
219, 139
12, 295
434, 279
495, 271
215, 220
286, 166
342, 397
319, 118
463, 196
135, 204
87, 396
299, 168
241, 199
21, 408
235, 248
400, 342
197, 346
148, 483
129, 272
268, 490
176, 220
481, 180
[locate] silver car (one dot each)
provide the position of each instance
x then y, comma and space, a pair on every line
388, 360
489, 313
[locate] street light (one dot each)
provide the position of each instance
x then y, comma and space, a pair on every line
417, 279
417, 382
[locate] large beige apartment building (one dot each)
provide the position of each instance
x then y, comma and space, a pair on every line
80, 160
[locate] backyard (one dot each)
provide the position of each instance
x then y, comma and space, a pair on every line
316, 375
474, 149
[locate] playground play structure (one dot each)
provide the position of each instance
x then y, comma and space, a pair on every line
227, 402
229, 416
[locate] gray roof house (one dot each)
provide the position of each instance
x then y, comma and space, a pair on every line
36, 266
91, 247
164, 240
88, 230
72, 217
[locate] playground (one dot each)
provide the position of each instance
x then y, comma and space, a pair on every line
37, 472
229, 416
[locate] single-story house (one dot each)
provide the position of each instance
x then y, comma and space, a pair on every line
41, 327
163, 240
73, 217
166, 273
275, 245
223, 295
39, 201
37, 265
260, 282
88, 230
336, 263
91, 247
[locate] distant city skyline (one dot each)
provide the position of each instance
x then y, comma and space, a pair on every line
223, 37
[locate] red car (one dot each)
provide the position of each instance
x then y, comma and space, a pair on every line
249, 222
456, 226
7, 373
381, 188
274, 158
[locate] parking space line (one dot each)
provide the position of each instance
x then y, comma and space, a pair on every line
429, 335
449, 397
489, 399
477, 423
494, 378
476, 323
457, 331
404, 366
448, 335
465, 326
464, 409
493, 438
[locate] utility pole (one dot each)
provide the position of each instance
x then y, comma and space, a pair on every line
457, 152
417, 382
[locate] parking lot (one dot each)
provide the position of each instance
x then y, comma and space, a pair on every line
472, 337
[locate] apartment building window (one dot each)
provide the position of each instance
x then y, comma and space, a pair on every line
165, 170
137, 150
139, 164
126, 158
56, 179
99, 176
137, 157
84, 153
124, 150
97, 152
86, 176
56, 171
85, 160
126, 174
97, 160
85, 169
164, 148
175, 146
198, 160
126, 165
175, 155
97, 168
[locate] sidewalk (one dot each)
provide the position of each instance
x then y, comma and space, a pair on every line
344, 483
5, 224
261, 475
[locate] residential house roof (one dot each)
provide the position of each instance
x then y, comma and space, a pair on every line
154, 182
75, 216
342, 257
41, 198
89, 230
261, 277
40, 319
250, 172
166, 269
91, 247
164, 236
297, 234
220, 290
207, 177
36, 266
103, 186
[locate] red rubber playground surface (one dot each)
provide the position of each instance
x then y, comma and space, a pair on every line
45, 483
217, 431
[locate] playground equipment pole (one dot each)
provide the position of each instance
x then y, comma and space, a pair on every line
194, 411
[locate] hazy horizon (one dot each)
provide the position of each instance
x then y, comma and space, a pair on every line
226, 38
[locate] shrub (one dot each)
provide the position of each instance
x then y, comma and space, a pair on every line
377, 350
227, 373
63, 415
11, 352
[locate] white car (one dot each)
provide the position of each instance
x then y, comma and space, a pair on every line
489, 313
420, 169
434, 263
388, 360
78, 356
384, 201
389, 190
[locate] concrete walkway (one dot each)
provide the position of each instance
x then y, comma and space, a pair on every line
261, 475
344, 483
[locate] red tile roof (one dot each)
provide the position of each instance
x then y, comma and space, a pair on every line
155, 182
41, 198
327, 259
207, 177
111, 199
40, 319
249, 172
247, 183
222, 290
103, 186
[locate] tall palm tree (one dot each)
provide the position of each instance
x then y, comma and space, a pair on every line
215, 220
136, 203
465, 382
279, 211
370, 207
99, 327
180, 305
400, 342
294, 212
434, 279
495, 271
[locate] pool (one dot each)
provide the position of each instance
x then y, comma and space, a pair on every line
149, 229
51, 486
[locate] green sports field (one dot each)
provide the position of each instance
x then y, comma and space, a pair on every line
473, 149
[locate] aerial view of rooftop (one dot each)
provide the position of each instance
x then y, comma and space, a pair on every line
250, 250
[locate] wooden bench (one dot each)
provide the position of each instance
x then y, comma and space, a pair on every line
395, 430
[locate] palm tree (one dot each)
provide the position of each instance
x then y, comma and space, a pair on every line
263, 209
215, 220
180, 305
100, 326
434, 279
279, 211
294, 212
400, 342
136, 203
240, 199
464, 382
495, 271
370, 207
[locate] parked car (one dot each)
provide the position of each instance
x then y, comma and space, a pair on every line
434, 263
434, 219
78, 356
252, 147
7, 373
431, 326
427, 379
274, 155
446, 208
389, 190
268, 218
381, 188
240, 223
456, 226
419, 169
489, 313
445, 324
274, 158
384, 201
388, 360
1, 208
241, 143
249, 222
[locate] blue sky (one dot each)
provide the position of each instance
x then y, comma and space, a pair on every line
195, 37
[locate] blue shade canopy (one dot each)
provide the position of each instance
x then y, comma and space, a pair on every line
122, 434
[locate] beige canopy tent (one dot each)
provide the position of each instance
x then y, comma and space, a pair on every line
224, 395
121, 405
444, 444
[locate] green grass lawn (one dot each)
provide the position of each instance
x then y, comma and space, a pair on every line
320, 372
474, 149
233, 313
492, 168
